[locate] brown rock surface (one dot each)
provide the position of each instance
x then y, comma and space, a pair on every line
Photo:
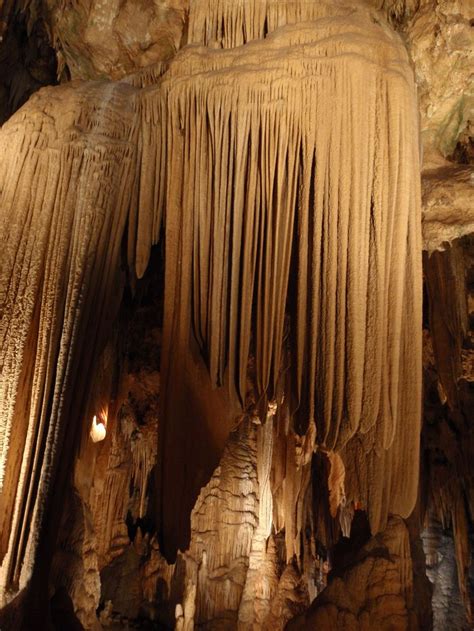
278, 156
448, 209
441, 44
375, 593
112, 39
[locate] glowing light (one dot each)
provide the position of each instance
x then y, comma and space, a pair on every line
98, 430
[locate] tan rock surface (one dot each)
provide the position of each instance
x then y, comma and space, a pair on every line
65, 164
441, 44
284, 167
448, 205
375, 593
99, 39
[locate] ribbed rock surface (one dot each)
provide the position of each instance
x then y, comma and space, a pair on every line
279, 201
278, 156
65, 179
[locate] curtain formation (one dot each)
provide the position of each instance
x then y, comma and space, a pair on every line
286, 174
293, 190
63, 213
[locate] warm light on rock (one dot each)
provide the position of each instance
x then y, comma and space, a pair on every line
98, 430
236, 250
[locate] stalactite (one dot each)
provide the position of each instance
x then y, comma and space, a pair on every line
286, 173
230, 24
144, 446
67, 168
258, 182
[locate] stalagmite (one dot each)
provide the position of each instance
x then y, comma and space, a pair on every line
375, 593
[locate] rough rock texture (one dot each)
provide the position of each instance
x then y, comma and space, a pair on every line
440, 41
447, 440
111, 39
285, 170
278, 156
448, 212
375, 593
448, 609
64, 174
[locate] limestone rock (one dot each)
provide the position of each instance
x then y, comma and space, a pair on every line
67, 164
441, 42
376, 592
270, 399
112, 39
448, 211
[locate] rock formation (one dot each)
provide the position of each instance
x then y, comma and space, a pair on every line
222, 404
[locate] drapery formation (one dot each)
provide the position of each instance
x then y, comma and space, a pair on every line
293, 190
286, 171
228, 24
67, 167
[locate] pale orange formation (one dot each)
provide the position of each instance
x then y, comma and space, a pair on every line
66, 174
296, 157
231, 23
233, 573
336, 478
286, 172
228, 23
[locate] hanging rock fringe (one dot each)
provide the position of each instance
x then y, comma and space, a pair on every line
67, 169
300, 152
287, 174
231, 23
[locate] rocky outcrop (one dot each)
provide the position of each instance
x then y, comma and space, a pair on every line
97, 40
440, 42
448, 214
375, 593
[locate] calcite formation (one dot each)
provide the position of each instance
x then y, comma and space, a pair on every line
65, 195
377, 593
284, 196
211, 325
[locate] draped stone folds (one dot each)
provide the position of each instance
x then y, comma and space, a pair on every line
286, 172
231, 23
67, 167
293, 188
